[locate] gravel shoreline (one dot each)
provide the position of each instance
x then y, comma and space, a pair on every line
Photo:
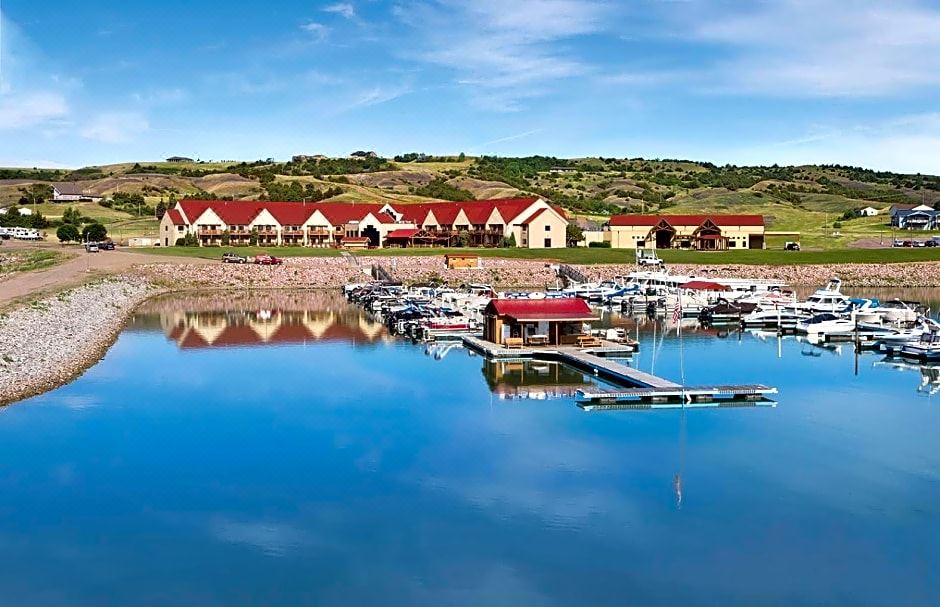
320, 272
50, 342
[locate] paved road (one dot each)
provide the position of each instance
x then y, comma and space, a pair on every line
75, 270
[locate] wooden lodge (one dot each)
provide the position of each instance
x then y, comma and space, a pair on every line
537, 322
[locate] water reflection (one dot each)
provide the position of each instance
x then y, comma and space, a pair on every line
533, 379
213, 320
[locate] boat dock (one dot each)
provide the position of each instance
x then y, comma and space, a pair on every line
677, 396
639, 390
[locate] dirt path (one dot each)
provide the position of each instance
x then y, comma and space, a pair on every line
77, 270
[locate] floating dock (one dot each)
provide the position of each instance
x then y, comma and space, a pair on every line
669, 398
639, 390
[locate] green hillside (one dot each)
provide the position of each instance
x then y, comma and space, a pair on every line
817, 201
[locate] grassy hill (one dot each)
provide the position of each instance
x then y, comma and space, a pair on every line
810, 199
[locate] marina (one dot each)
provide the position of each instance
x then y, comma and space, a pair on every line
302, 425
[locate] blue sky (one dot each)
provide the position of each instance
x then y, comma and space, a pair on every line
786, 81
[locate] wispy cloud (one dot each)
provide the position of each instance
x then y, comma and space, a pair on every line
19, 111
503, 51
806, 48
492, 142
379, 94
316, 30
343, 9
115, 127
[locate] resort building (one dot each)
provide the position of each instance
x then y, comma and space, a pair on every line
698, 232
915, 217
518, 322
70, 191
528, 222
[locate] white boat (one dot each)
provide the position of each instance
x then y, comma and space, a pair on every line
826, 324
772, 317
828, 299
926, 348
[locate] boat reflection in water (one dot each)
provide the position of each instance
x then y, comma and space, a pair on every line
929, 373
529, 379
208, 320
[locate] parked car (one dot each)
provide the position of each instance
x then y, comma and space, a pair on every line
233, 258
791, 246
268, 260
91, 247
107, 245
930, 243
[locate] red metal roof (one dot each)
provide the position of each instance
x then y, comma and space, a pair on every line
403, 233
705, 285
541, 309
175, 217
686, 220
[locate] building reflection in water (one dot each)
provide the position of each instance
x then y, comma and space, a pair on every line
511, 379
211, 320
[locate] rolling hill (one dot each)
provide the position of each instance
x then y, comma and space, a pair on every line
815, 200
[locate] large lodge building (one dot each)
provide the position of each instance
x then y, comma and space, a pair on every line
531, 222
699, 232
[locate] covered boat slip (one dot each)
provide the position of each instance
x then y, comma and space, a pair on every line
516, 323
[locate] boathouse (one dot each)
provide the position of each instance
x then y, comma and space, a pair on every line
521, 322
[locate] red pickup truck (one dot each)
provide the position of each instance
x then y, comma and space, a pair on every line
268, 260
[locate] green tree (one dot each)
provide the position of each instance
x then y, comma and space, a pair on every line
94, 232
253, 237
160, 210
36, 193
67, 232
226, 238
573, 234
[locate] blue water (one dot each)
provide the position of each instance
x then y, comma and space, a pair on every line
352, 469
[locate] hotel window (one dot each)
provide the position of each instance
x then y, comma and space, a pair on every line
548, 228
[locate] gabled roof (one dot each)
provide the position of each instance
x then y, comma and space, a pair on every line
686, 220
403, 233
533, 216
69, 188
570, 309
175, 217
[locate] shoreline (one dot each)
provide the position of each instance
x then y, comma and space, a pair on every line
38, 354
50, 359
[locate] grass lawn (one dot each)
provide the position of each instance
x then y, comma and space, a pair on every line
589, 256
28, 261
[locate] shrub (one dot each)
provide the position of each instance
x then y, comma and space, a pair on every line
67, 232
94, 232
599, 245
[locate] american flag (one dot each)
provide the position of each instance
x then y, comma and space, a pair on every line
677, 310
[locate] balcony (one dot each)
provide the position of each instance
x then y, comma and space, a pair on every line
292, 232
267, 232
209, 233
319, 232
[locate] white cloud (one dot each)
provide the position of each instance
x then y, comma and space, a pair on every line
808, 48
317, 30
115, 127
379, 94
503, 51
18, 111
905, 144
344, 9
161, 96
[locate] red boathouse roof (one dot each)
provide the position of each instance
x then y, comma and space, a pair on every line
532, 310
705, 285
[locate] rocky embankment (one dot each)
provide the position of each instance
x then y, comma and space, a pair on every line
333, 272
48, 342
897, 275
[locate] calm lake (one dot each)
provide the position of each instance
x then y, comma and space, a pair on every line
282, 449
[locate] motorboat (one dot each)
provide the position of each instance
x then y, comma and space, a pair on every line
827, 299
927, 348
726, 311
826, 324
782, 318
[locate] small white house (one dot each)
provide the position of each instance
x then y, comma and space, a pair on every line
868, 212
25, 211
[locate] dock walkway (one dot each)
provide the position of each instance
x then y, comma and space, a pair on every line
638, 389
